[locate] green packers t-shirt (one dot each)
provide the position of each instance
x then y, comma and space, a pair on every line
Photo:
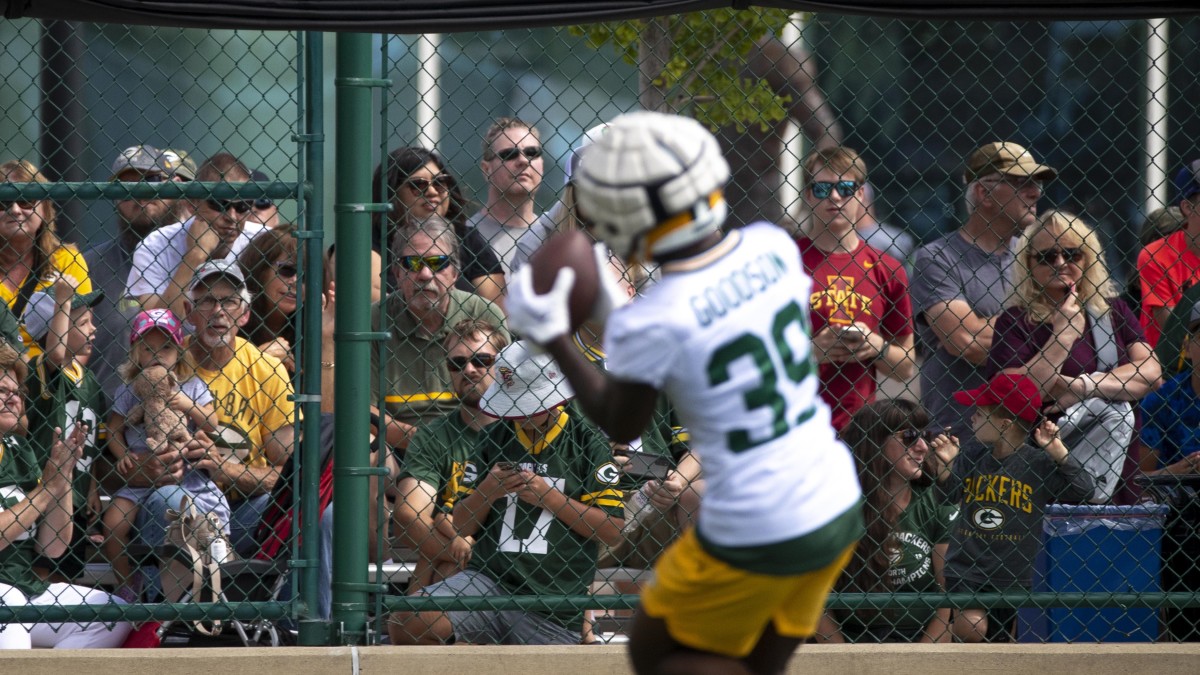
64, 398
20, 472
525, 548
442, 454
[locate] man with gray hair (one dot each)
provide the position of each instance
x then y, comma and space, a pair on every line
419, 315
960, 281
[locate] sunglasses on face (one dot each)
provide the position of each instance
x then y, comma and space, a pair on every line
909, 437
416, 263
531, 152
823, 189
224, 205
285, 269
440, 183
1049, 257
481, 361
24, 206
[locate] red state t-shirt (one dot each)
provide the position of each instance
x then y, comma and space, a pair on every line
1166, 268
867, 286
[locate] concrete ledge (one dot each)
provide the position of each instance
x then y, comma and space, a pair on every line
1078, 659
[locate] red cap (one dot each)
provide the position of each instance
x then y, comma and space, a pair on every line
1015, 393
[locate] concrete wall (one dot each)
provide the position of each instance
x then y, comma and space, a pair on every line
1080, 659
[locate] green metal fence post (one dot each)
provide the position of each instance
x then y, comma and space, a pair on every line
351, 439
313, 629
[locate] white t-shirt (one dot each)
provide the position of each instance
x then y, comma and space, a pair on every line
726, 335
158, 256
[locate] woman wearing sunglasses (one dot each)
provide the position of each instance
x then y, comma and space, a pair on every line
31, 254
1066, 329
908, 530
271, 266
419, 185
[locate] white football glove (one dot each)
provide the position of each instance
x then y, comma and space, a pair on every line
540, 318
610, 295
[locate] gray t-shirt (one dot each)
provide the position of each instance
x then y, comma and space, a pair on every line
998, 532
108, 266
952, 268
502, 239
135, 435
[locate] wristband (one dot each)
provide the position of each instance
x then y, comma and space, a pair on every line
887, 344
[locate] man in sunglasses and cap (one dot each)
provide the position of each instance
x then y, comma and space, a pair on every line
960, 282
165, 262
419, 315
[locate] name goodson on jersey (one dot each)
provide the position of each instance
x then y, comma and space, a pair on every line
737, 287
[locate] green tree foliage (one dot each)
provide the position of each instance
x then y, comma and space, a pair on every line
695, 63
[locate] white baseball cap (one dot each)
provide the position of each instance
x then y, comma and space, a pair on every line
525, 384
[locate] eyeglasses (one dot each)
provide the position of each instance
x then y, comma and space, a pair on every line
285, 269
440, 183
531, 152
416, 263
459, 363
9, 394
229, 303
1049, 257
223, 205
823, 189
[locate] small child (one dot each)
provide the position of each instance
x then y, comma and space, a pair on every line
156, 340
1002, 484
64, 394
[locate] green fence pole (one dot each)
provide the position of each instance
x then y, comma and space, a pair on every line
313, 629
352, 153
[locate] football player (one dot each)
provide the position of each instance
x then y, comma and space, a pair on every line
725, 334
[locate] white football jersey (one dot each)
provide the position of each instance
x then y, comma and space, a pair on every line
726, 335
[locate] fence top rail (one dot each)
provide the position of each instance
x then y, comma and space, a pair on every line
95, 190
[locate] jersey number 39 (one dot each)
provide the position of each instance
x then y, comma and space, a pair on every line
766, 395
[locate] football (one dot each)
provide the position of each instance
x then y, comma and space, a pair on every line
571, 249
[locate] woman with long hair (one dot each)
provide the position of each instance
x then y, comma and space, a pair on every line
1049, 332
31, 254
420, 185
908, 529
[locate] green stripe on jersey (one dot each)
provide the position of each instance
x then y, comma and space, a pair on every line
805, 553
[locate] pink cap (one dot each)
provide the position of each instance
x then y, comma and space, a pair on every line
157, 318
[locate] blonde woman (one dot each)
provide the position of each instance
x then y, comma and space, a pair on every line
31, 254
1066, 329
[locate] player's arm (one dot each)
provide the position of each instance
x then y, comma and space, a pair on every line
620, 408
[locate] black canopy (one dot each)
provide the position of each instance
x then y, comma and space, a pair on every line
448, 16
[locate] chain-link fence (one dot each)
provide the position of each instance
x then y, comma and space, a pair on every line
968, 199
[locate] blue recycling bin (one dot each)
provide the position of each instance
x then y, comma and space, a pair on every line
1090, 548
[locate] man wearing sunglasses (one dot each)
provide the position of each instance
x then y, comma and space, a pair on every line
419, 315
513, 166
109, 263
442, 456
860, 310
961, 281
165, 262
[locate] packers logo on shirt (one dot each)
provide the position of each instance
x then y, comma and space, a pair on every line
987, 519
608, 473
233, 441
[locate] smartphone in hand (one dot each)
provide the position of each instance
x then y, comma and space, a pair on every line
646, 467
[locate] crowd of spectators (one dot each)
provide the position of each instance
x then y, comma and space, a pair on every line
497, 483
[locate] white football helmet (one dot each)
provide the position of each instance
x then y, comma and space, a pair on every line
651, 184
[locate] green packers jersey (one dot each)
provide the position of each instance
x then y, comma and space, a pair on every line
441, 454
63, 398
526, 549
20, 472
